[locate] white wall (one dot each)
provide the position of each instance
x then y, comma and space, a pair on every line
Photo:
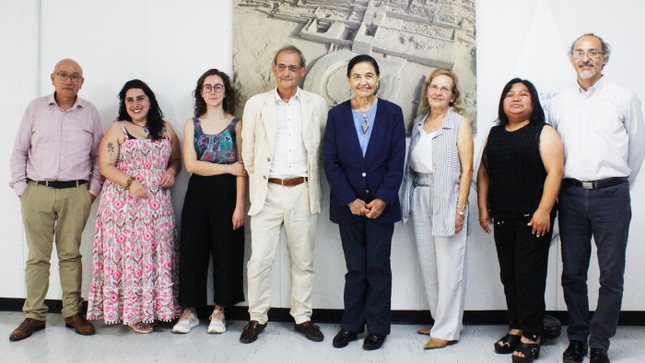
169, 44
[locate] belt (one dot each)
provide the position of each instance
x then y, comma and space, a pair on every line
596, 184
60, 184
288, 182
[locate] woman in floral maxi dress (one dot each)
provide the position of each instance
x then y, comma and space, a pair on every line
134, 274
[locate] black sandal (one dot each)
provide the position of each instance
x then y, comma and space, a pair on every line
530, 351
509, 343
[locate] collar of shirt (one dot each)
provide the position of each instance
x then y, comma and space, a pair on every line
593, 89
279, 100
52, 101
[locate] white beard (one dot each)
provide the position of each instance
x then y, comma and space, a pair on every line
586, 74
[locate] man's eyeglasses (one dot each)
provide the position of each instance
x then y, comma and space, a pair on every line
282, 67
593, 53
207, 88
62, 76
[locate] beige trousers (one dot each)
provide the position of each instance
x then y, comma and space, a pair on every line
47, 214
288, 206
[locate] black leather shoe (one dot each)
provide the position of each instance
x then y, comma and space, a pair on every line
598, 356
373, 341
311, 331
343, 338
575, 352
251, 331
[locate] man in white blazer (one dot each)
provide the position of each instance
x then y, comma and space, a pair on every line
281, 140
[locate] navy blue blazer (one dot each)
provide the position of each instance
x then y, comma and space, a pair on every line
377, 175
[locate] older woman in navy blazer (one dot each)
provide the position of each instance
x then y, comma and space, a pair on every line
364, 151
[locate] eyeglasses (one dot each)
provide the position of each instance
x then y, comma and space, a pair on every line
282, 67
443, 90
592, 53
207, 88
62, 76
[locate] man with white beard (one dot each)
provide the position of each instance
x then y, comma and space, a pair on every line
601, 126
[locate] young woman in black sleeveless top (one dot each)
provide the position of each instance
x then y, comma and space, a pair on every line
517, 185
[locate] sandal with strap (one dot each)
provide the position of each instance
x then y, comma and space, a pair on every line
509, 344
530, 351
141, 328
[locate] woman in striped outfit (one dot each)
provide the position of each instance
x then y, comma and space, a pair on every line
435, 191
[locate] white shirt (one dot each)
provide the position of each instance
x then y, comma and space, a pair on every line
602, 131
289, 155
421, 158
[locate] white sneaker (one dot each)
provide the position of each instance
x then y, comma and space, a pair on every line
187, 321
218, 323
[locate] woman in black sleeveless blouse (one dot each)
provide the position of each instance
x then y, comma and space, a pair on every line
517, 185
213, 216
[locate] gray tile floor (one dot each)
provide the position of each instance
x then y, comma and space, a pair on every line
278, 343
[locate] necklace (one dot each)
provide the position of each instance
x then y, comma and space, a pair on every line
144, 127
365, 125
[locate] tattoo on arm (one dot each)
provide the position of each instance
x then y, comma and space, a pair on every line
110, 148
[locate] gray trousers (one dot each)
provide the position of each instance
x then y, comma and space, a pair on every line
443, 266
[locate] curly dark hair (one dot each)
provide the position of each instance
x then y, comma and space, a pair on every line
230, 96
537, 117
155, 116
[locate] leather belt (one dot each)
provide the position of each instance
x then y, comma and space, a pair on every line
596, 184
55, 184
288, 182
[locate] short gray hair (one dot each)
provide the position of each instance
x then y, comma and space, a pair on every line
606, 48
290, 48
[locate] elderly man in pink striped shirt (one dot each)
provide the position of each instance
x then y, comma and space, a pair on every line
55, 172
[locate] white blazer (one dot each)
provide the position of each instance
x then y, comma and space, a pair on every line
258, 139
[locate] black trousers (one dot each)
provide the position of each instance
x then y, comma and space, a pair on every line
523, 259
207, 229
368, 282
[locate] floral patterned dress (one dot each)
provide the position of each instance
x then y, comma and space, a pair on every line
135, 264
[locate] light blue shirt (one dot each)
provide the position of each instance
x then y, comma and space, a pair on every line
364, 138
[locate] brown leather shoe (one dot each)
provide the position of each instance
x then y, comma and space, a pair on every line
26, 328
80, 324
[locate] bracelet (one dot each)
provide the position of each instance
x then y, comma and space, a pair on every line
128, 183
461, 213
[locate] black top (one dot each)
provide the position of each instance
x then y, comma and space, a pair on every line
515, 170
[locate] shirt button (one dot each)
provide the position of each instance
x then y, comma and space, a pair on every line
367, 191
268, 159
435, 212
264, 176
364, 175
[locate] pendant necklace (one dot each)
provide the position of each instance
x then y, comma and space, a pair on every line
365, 125
144, 127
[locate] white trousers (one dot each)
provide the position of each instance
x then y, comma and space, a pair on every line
288, 206
443, 266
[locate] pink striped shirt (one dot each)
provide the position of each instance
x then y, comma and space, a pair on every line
53, 144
